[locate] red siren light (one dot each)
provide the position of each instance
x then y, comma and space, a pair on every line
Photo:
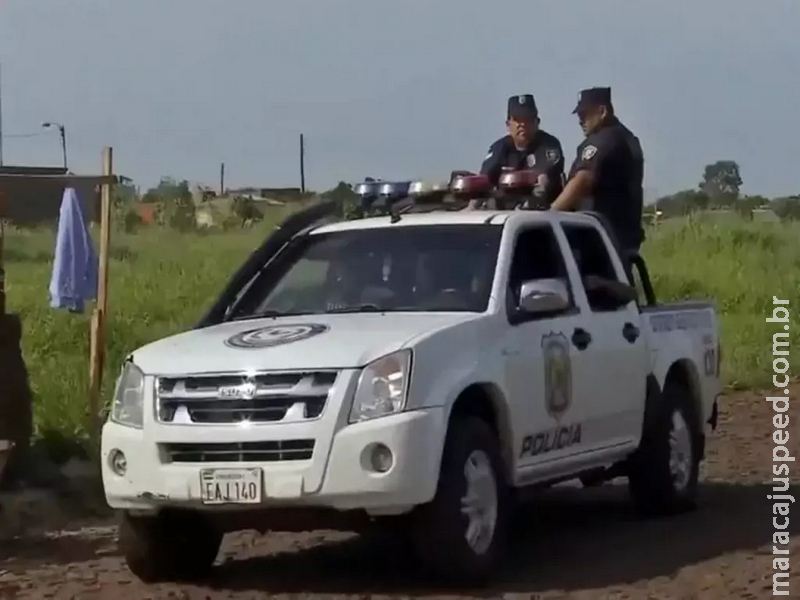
519, 180
472, 186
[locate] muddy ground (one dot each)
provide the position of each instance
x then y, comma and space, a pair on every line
570, 543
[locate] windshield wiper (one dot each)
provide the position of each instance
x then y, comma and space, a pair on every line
268, 314
356, 309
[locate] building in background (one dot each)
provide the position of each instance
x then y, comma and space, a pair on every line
29, 200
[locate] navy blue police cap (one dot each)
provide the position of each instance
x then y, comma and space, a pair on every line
522, 107
593, 97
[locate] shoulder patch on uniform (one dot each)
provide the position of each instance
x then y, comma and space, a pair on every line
553, 155
588, 152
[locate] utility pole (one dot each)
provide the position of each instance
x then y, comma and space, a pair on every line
222, 179
62, 131
302, 165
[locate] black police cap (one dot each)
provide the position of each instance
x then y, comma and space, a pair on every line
592, 97
522, 106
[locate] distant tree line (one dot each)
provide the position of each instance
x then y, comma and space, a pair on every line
176, 206
720, 188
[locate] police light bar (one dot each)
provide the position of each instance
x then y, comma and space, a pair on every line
393, 191
518, 180
426, 188
454, 174
473, 186
367, 189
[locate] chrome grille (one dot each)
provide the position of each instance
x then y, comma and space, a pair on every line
257, 398
239, 452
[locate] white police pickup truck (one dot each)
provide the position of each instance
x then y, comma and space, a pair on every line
413, 369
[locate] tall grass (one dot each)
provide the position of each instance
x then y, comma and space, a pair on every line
161, 281
740, 266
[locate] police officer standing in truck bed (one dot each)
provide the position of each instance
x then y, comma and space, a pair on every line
527, 147
608, 172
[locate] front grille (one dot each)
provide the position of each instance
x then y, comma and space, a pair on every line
239, 452
260, 398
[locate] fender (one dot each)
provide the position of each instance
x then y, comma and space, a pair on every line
502, 421
654, 403
668, 356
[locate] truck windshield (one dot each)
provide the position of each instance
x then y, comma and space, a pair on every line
409, 268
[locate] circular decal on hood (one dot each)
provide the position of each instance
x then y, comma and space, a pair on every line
275, 335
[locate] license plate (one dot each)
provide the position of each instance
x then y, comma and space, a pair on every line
230, 486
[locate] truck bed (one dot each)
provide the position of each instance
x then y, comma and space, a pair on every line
677, 306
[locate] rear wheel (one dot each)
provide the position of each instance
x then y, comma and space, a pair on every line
172, 546
461, 535
664, 473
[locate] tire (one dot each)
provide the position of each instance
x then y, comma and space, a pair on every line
173, 546
439, 529
591, 482
655, 487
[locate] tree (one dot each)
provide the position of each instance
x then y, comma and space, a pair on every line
682, 203
343, 192
787, 207
721, 182
169, 190
746, 205
176, 201
124, 193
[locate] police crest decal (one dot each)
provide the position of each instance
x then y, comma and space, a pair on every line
274, 335
531, 161
588, 152
557, 374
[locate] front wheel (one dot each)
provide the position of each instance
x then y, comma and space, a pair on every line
461, 535
173, 546
664, 473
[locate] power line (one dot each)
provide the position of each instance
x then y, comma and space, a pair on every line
24, 135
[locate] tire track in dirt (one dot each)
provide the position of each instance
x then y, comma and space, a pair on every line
569, 543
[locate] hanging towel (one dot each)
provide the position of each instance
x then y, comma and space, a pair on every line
74, 279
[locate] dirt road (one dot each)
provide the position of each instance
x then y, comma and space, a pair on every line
571, 543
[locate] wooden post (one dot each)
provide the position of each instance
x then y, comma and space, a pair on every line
98, 346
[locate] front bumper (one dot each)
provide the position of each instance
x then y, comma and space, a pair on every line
338, 474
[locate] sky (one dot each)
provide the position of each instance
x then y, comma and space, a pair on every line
398, 90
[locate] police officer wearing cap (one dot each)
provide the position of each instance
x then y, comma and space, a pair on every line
608, 172
527, 147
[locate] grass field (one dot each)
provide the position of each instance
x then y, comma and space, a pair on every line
162, 281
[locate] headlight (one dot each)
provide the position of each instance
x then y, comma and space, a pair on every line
382, 387
129, 397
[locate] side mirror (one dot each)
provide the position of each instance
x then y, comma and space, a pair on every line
544, 296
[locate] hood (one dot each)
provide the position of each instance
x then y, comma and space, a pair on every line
303, 342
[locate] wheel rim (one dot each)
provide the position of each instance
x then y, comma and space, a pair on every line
680, 452
479, 504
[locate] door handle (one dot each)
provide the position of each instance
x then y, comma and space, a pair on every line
581, 338
630, 332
